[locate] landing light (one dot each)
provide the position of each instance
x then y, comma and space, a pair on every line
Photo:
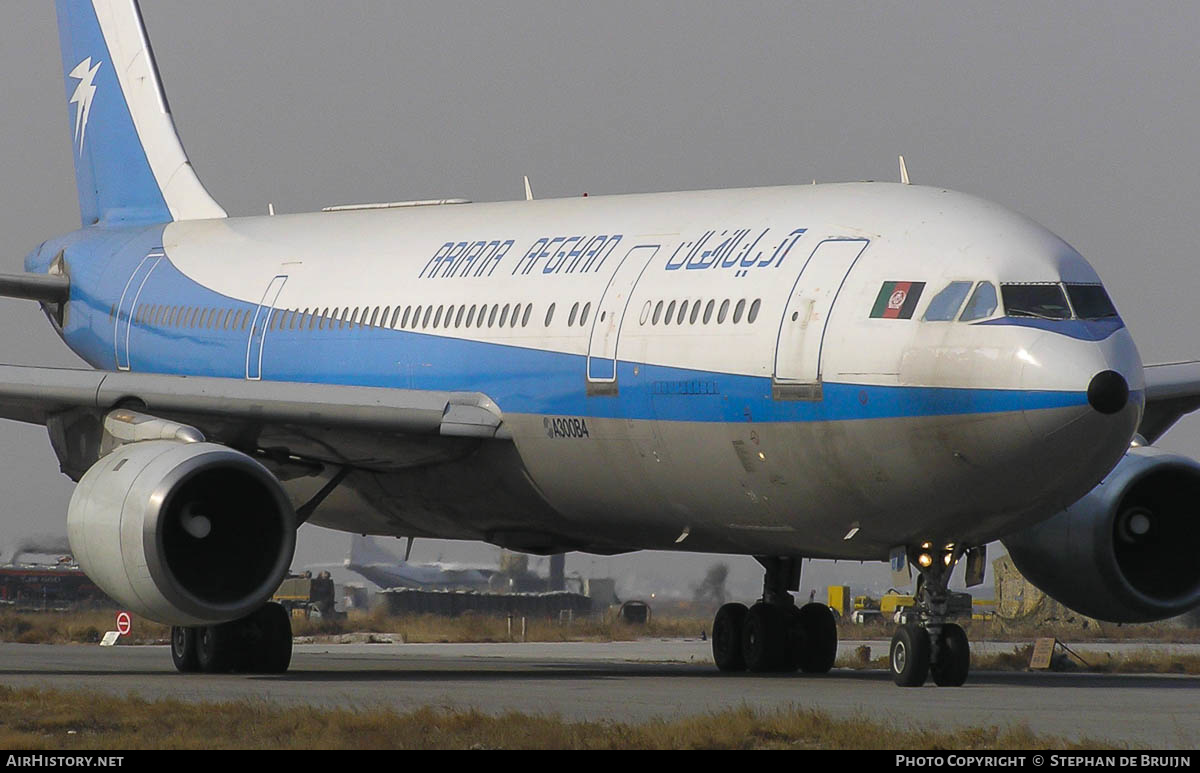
925, 560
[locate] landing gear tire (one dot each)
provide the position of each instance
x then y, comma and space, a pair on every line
183, 649
909, 656
764, 639
260, 643
269, 639
954, 657
818, 638
727, 637
216, 648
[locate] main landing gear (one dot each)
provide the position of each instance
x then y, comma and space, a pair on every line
260, 643
775, 634
931, 646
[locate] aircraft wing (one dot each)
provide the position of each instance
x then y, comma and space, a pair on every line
369, 427
1172, 390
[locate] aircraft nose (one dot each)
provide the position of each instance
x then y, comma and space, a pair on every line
1108, 392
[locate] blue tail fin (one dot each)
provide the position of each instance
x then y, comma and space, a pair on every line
129, 164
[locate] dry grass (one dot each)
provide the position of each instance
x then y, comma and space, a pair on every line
87, 627
427, 629
84, 627
44, 720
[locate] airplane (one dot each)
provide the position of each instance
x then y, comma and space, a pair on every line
372, 561
867, 371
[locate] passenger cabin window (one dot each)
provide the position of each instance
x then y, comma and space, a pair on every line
1090, 301
1043, 301
945, 305
982, 304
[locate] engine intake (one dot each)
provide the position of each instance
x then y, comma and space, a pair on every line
1126, 552
182, 533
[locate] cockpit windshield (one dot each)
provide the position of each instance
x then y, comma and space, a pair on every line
1038, 300
982, 304
1044, 301
1091, 301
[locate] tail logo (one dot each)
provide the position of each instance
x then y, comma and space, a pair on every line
84, 94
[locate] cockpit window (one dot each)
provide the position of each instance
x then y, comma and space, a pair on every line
946, 303
982, 304
1044, 301
1091, 302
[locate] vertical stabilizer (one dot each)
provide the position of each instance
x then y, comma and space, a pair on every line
365, 551
129, 164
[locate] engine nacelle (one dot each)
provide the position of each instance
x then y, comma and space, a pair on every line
182, 533
1129, 551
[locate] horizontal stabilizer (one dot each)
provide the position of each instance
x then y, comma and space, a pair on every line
48, 288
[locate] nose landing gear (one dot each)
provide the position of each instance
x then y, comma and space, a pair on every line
775, 635
931, 646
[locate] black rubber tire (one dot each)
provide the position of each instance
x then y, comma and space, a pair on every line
183, 649
793, 643
954, 657
764, 638
271, 644
216, 648
727, 637
818, 638
909, 656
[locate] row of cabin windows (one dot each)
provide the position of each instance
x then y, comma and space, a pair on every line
691, 312
406, 317
189, 316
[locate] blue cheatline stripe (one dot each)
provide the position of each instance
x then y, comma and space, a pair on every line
520, 380
1082, 329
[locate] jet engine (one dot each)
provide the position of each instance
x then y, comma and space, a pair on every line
1128, 551
182, 533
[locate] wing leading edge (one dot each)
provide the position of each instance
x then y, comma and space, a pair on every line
370, 427
1172, 391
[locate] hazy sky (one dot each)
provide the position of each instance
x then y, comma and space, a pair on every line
1081, 115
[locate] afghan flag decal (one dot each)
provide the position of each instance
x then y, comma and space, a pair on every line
897, 300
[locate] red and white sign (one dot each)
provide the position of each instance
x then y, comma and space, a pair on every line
124, 623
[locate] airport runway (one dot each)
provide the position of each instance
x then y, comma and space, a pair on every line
631, 681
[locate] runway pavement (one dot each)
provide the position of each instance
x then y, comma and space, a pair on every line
633, 682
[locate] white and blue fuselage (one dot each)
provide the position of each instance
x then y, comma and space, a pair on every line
811, 370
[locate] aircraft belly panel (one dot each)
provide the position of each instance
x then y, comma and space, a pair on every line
794, 488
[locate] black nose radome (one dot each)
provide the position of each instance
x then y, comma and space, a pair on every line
1108, 392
